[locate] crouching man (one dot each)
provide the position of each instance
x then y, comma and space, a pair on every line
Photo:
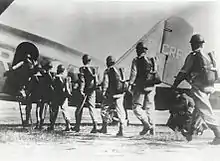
113, 94
181, 117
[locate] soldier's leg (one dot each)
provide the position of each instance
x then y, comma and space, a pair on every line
41, 112
28, 112
91, 99
121, 114
137, 101
126, 115
78, 117
105, 117
54, 113
127, 102
38, 115
65, 114
51, 112
203, 104
149, 106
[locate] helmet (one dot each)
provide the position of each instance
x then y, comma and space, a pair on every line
141, 46
86, 58
197, 38
110, 59
48, 65
60, 69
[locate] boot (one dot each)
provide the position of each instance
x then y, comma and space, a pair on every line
104, 128
94, 129
37, 125
145, 128
152, 131
76, 128
187, 134
51, 128
216, 140
127, 122
41, 124
78, 117
120, 132
25, 123
67, 126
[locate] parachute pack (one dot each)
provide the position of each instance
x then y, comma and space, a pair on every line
117, 84
202, 66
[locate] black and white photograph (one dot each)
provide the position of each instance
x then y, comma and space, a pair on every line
106, 80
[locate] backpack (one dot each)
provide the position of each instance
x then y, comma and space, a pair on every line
201, 66
147, 74
90, 76
117, 85
60, 86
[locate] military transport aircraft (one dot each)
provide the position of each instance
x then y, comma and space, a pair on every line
49, 50
168, 40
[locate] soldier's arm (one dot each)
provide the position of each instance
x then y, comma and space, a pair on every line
68, 83
133, 72
154, 61
214, 62
105, 82
81, 80
187, 67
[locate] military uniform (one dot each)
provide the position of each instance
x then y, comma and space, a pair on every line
199, 71
87, 86
143, 92
28, 84
114, 92
60, 99
45, 95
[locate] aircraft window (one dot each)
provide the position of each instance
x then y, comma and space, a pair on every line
2, 69
5, 55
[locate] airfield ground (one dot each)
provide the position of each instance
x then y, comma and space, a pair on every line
21, 144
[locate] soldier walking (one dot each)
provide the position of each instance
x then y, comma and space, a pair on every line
200, 71
142, 68
113, 89
24, 68
45, 92
87, 89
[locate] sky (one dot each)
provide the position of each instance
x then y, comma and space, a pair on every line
108, 28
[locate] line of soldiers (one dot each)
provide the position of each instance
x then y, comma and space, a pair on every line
199, 70
46, 89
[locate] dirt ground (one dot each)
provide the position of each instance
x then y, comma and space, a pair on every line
17, 143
